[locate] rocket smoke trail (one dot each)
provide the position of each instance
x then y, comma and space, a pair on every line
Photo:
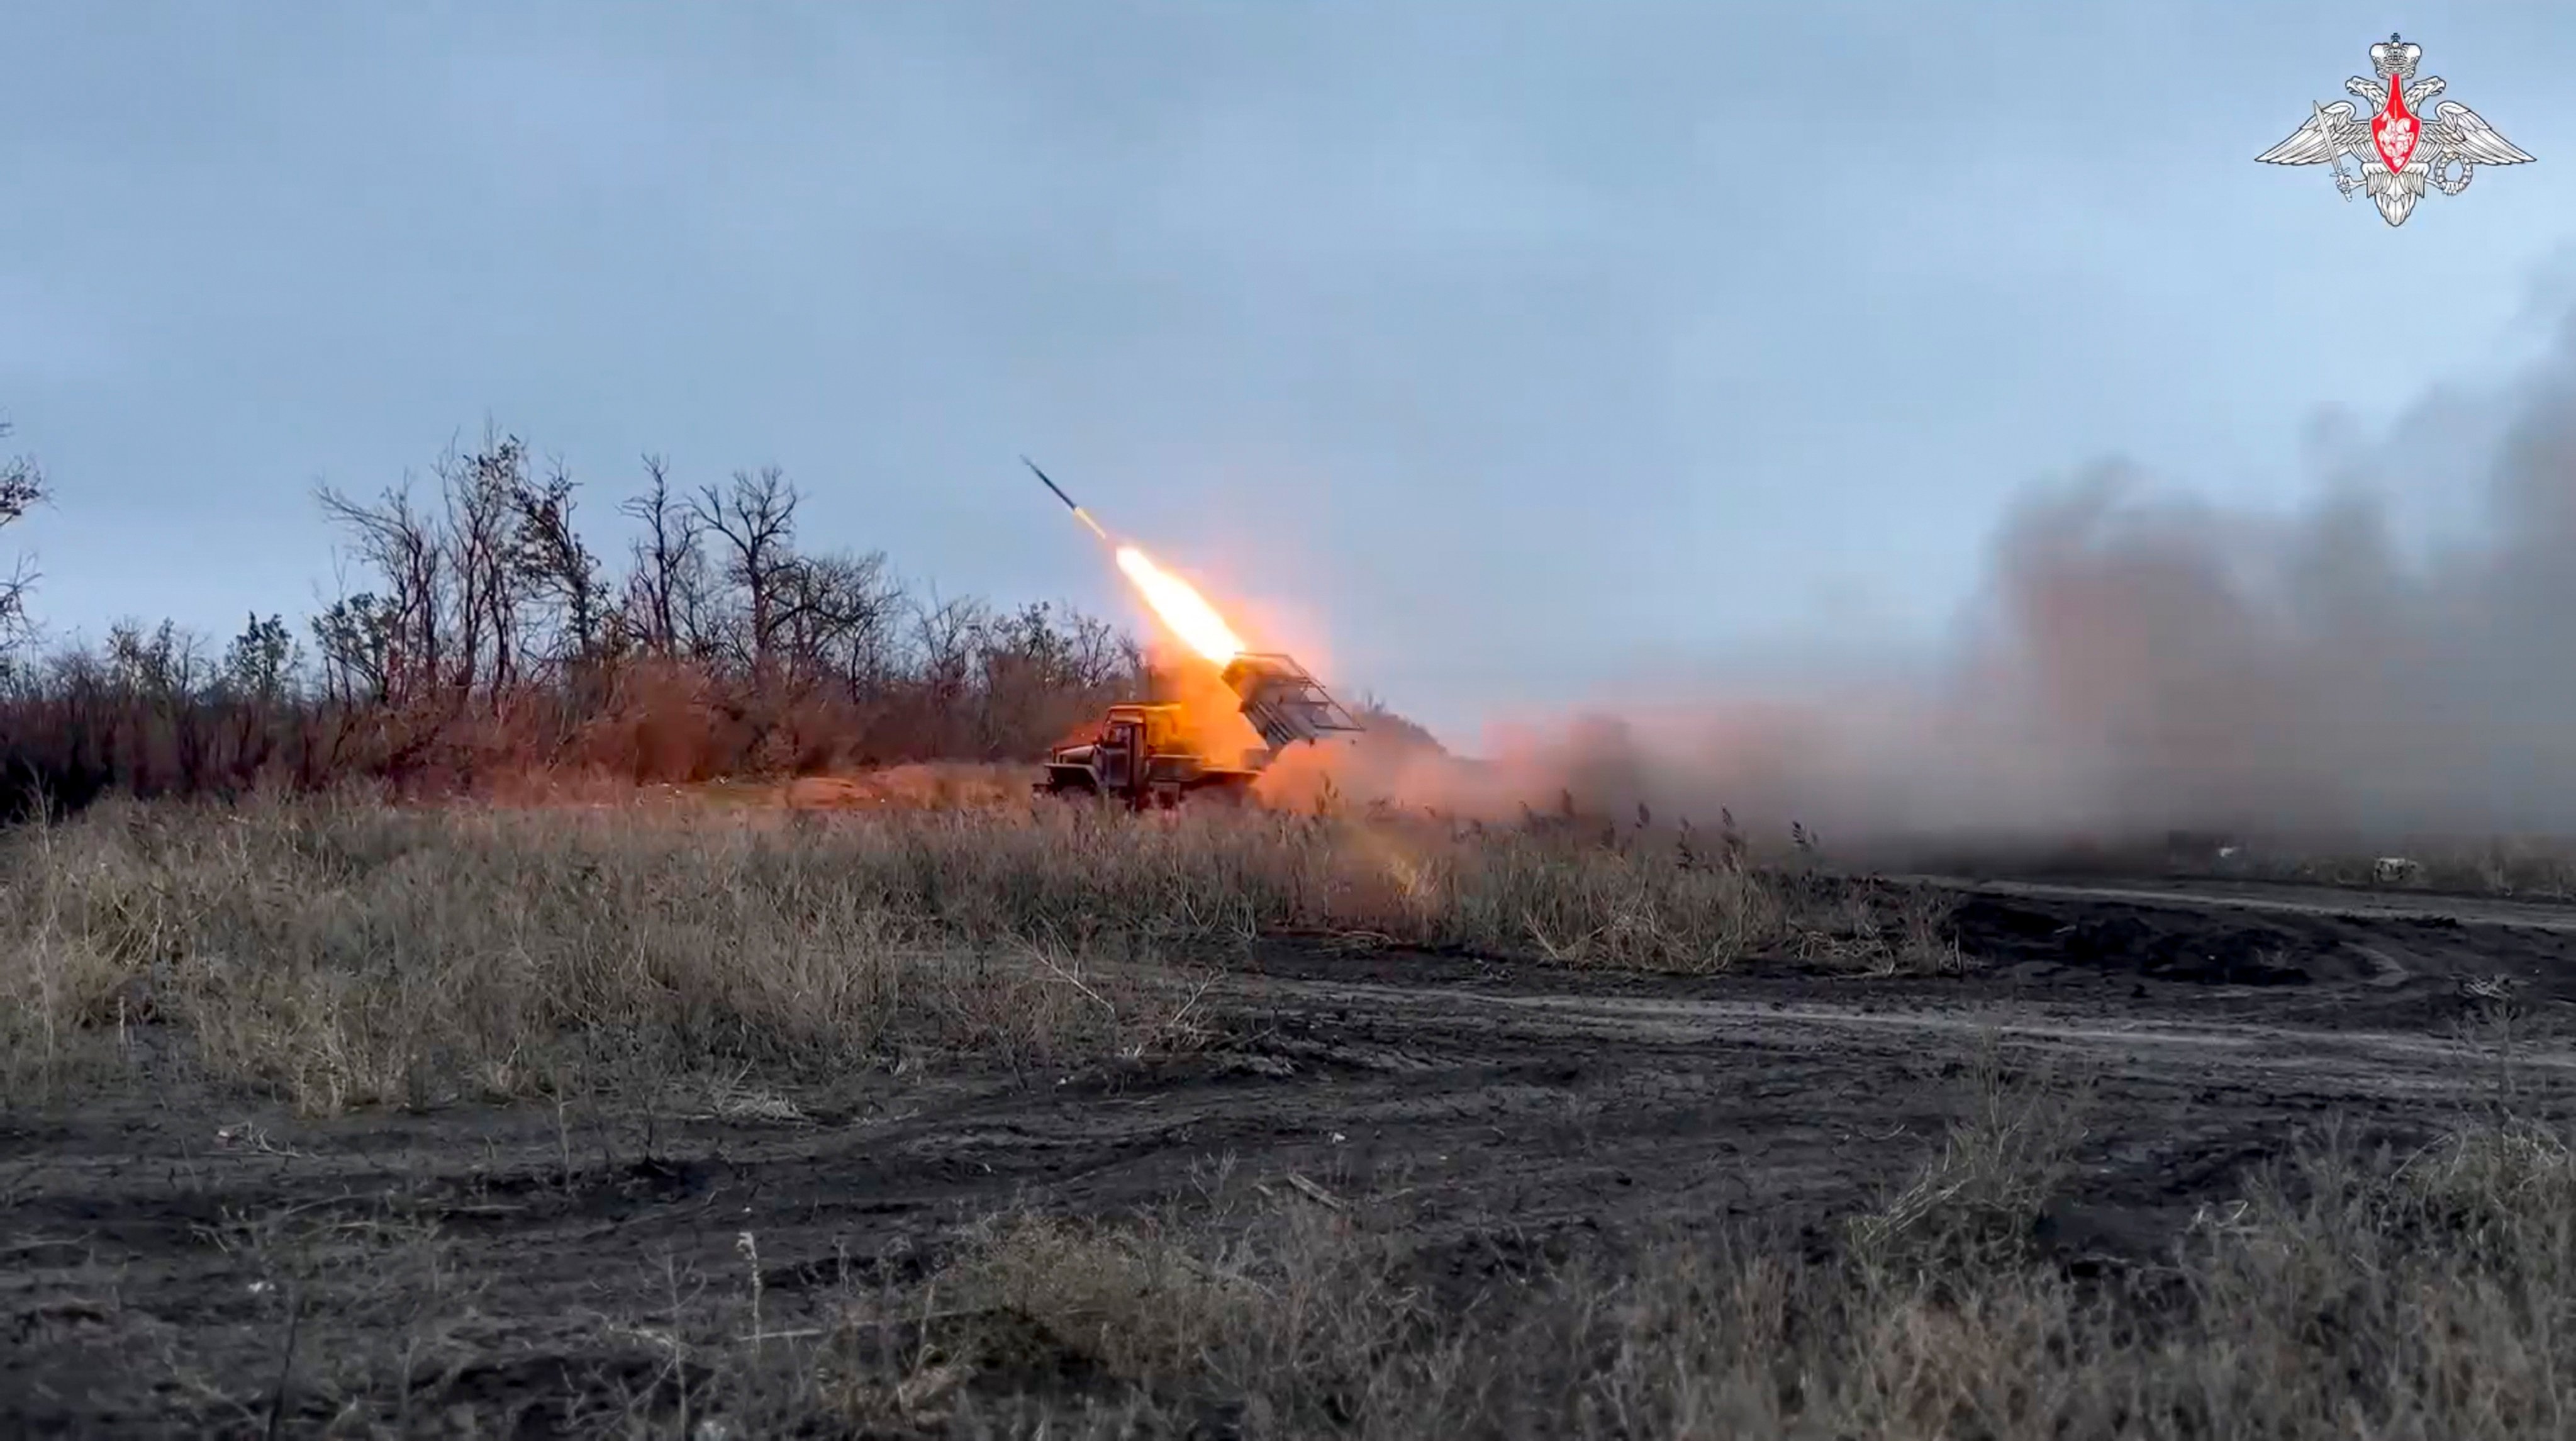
1078, 512
1173, 599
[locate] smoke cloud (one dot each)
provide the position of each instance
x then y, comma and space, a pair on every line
2140, 662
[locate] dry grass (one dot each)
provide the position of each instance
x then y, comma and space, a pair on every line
2531, 868
1994, 1173
349, 953
2346, 1295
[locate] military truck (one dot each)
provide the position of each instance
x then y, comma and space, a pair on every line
1147, 754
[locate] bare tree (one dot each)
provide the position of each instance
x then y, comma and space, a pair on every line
479, 490
837, 616
1100, 655
163, 665
259, 665
22, 484
945, 639
661, 586
486, 592
402, 545
553, 565
22, 488
355, 638
755, 518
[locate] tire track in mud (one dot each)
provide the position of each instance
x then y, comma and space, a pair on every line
2280, 899
2367, 1062
1773, 1024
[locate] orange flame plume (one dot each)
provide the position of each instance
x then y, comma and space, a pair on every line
1181, 607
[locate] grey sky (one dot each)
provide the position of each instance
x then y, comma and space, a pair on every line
1487, 353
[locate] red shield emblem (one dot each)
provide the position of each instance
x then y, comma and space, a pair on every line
2394, 130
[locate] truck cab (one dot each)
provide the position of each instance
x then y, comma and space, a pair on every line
1139, 754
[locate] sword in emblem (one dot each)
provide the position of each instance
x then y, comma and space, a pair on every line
2344, 185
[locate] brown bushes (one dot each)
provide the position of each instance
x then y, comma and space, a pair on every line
75, 731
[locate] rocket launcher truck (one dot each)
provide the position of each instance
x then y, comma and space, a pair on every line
1151, 754
1146, 755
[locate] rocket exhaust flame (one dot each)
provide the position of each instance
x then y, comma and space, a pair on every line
1181, 607
1242, 713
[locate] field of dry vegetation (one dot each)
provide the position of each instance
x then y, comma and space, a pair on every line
321, 962
2344, 1294
347, 953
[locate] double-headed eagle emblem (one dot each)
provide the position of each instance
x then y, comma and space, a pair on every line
2399, 149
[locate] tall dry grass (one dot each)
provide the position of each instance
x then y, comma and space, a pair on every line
351, 953
2347, 1293
2533, 868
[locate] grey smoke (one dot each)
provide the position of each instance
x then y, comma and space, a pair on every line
2143, 661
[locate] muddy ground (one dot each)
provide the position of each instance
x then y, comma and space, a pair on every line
180, 1261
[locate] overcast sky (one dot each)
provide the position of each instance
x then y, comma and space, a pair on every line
1486, 353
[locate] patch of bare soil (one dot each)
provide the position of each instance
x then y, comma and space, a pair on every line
178, 1261
932, 786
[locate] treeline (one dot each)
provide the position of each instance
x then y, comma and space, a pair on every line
486, 639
